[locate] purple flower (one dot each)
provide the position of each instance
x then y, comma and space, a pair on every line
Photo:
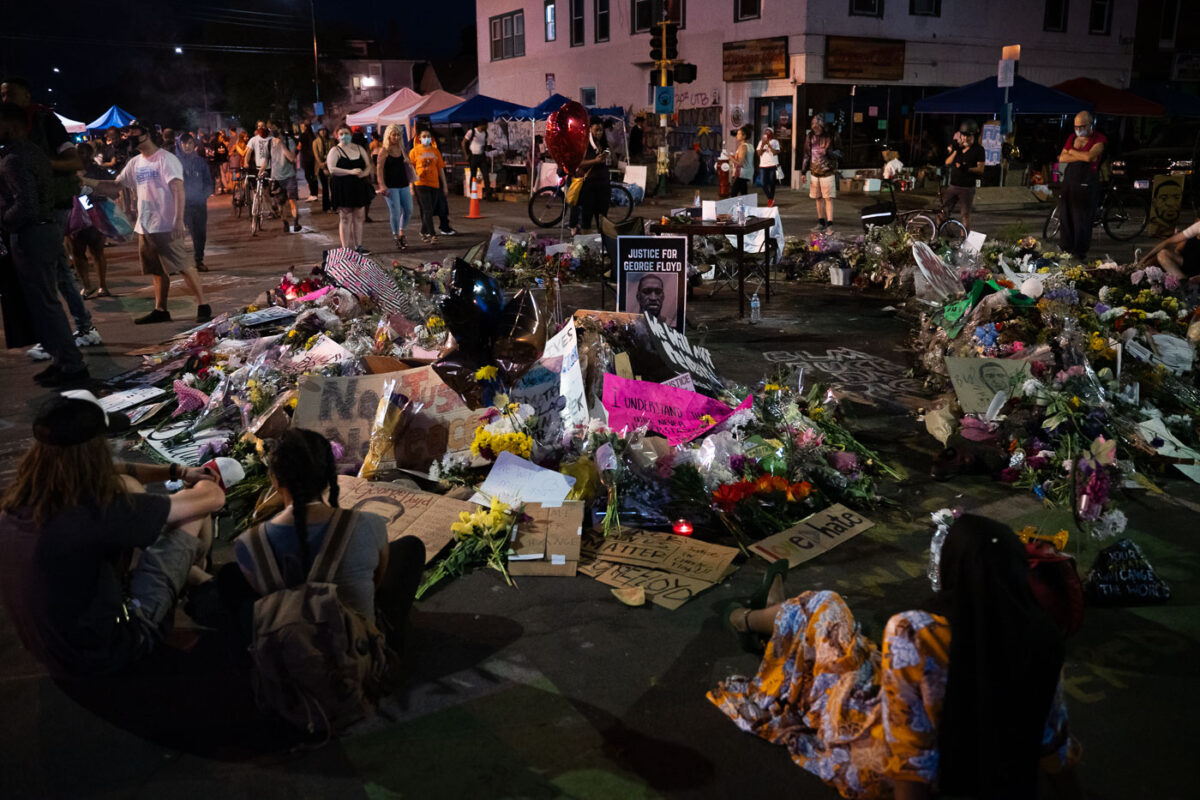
1010, 474
1101, 308
1037, 462
737, 463
842, 461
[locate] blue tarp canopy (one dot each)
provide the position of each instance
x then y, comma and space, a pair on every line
985, 97
478, 107
556, 101
1176, 103
115, 117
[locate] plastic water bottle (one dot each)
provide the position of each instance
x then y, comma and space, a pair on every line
696, 200
755, 309
740, 217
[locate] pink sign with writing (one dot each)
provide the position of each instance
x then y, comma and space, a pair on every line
677, 414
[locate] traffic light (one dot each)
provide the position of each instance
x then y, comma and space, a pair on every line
685, 73
664, 41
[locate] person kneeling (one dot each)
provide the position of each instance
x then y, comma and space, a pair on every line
69, 526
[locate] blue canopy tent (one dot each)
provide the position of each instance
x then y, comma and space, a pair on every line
478, 107
543, 109
115, 117
985, 97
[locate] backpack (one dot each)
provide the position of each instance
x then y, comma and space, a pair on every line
317, 663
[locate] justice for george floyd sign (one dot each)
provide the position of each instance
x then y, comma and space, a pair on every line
652, 277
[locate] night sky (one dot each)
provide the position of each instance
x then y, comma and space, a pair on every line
106, 49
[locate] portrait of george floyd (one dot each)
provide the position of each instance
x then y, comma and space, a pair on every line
652, 278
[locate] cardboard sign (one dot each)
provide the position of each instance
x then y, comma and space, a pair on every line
119, 401
548, 542
675, 413
977, 381
342, 409
325, 351
662, 588
817, 534
554, 387
188, 451
678, 555
679, 355
265, 315
652, 277
407, 512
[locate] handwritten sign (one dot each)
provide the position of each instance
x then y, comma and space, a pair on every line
513, 481
671, 569
325, 351
407, 512
681, 356
547, 540
977, 381
554, 387
662, 588
677, 414
817, 534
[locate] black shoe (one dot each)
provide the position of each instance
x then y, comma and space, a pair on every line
368, 219
296, 228
53, 377
286, 226
157, 315
447, 231
203, 313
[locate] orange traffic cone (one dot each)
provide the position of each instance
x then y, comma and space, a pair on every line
473, 208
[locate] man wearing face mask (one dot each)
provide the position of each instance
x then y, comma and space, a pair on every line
1080, 162
430, 186
157, 177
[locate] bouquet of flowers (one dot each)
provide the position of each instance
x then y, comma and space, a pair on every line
481, 538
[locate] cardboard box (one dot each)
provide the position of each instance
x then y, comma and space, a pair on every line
549, 542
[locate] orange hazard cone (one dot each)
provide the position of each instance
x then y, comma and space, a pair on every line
473, 208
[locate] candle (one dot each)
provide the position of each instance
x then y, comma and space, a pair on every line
682, 527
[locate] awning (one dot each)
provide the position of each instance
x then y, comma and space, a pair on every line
1110, 100
478, 107
429, 104
397, 101
985, 97
115, 117
71, 126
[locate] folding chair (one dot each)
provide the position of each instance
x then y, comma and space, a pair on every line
608, 236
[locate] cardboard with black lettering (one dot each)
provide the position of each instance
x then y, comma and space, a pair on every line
407, 512
816, 534
662, 588
652, 277
547, 540
671, 569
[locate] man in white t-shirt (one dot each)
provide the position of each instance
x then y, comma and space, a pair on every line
892, 165
475, 145
259, 148
157, 178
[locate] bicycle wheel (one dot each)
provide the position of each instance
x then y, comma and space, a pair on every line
952, 232
256, 212
921, 228
620, 205
1125, 215
546, 207
238, 198
1052, 227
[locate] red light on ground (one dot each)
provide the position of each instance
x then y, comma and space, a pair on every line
682, 527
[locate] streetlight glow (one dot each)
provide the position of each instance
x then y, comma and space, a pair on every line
179, 51
56, 69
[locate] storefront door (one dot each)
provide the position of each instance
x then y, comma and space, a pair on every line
776, 112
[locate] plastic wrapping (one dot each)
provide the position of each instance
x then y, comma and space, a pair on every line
934, 280
391, 417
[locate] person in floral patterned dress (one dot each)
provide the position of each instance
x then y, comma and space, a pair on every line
899, 722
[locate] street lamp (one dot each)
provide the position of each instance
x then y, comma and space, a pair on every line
178, 51
56, 70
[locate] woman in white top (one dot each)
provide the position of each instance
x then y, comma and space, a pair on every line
768, 163
742, 163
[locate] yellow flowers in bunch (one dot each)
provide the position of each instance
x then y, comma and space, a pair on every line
489, 445
484, 522
772, 387
1076, 273
435, 325
488, 373
1099, 345
254, 392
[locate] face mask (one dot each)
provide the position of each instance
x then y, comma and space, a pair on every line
1081, 131
344, 138
425, 140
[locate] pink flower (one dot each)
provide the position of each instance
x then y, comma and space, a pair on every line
1171, 282
1137, 276
1018, 346
842, 461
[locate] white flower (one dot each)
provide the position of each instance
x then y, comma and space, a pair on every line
1109, 525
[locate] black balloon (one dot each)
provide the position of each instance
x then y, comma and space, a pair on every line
520, 338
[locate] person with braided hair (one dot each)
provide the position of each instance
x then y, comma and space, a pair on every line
376, 578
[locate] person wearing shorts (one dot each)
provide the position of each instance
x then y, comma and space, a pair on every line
283, 170
68, 526
820, 162
157, 177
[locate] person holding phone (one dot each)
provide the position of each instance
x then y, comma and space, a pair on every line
596, 193
768, 163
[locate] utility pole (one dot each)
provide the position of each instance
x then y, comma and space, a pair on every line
312, 11
664, 49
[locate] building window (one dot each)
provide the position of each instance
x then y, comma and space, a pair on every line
508, 35
576, 23
644, 13
1169, 23
866, 8
587, 95
746, 9
551, 26
924, 8
1100, 18
601, 10
1055, 18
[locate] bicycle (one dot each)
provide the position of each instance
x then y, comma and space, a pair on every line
1123, 213
923, 224
548, 204
238, 192
263, 202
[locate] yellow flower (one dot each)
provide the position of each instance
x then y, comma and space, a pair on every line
292, 403
772, 387
707, 420
1075, 401
487, 373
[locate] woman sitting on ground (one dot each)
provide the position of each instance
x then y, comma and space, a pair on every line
970, 714
374, 578
69, 525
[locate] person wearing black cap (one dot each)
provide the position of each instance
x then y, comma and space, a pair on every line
966, 161
68, 525
27, 218
157, 177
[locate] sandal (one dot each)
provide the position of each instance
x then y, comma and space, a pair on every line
103, 293
747, 639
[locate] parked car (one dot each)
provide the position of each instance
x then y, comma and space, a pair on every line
1172, 150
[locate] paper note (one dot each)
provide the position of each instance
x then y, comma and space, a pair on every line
677, 414
513, 480
817, 534
681, 381
190, 448
325, 351
119, 401
554, 387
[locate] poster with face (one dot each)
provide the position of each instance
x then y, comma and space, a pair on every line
652, 277
1166, 199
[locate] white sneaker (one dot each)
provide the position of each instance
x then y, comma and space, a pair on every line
87, 338
38, 353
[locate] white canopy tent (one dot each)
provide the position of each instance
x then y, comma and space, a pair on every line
71, 125
397, 101
434, 101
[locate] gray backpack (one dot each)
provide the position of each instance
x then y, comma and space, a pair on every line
318, 664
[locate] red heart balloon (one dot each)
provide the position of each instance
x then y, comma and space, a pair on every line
567, 135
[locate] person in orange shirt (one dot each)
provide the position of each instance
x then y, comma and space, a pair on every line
430, 186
